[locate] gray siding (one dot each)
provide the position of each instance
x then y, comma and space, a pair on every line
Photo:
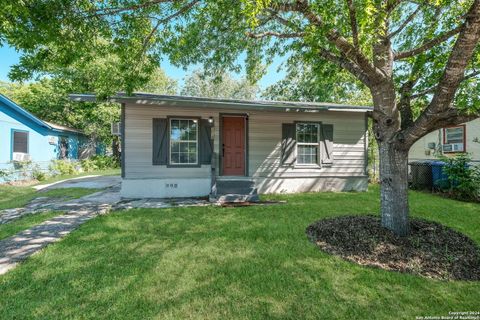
265, 133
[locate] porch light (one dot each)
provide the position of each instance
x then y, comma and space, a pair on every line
210, 120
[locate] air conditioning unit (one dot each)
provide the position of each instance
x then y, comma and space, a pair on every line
52, 140
453, 147
19, 156
116, 129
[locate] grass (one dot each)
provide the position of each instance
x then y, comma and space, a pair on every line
230, 263
16, 197
19, 196
106, 172
12, 228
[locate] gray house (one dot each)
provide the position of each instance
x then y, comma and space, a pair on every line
191, 147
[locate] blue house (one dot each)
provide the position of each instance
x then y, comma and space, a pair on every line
24, 137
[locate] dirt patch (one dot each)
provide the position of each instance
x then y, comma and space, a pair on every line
431, 250
22, 183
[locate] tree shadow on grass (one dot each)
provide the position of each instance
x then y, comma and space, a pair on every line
213, 263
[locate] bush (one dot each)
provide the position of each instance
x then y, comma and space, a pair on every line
38, 173
99, 162
23, 168
463, 179
62, 167
6, 174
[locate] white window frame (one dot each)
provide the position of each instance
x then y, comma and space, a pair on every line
317, 144
447, 142
456, 127
195, 120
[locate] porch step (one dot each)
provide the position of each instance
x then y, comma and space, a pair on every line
232, 191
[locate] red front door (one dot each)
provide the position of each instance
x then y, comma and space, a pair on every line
233, 139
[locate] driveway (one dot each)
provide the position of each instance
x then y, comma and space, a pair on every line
89, 182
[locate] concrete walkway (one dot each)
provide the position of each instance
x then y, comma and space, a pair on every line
89, 182
24, 244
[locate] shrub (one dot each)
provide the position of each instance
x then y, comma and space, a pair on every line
23, 168
38, 173
6, 174
88, 165
62, 167
464, 179
99, 162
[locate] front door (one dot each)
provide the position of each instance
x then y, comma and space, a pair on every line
233, 149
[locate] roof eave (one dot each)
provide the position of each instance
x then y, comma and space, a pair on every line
223, 103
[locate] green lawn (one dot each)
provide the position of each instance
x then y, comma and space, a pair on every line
11, 228
229, 263
106, 172
16, 197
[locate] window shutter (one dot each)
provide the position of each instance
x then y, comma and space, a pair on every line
327, 144
205, 142
288, 144
160, 142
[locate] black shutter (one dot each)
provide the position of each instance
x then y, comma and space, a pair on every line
288, 144
205, 143
160, 142
327, 144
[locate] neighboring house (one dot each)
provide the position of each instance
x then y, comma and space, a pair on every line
449, 142
177, 146
24, 137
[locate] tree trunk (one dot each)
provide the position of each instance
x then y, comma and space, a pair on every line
116, 147
394, 188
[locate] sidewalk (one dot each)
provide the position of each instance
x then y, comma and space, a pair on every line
24, 244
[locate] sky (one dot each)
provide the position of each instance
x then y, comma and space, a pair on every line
9, 56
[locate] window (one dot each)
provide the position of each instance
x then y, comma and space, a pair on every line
183, 141
454, 134
20, 141
454, 139
308, 143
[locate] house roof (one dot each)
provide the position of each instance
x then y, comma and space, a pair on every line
185, 101
44, 124
62, 128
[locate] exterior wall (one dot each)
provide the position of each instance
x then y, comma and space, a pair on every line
420, 151
348, 171
39, 148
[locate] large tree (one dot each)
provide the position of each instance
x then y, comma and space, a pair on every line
200, 84
323, 82
407, 52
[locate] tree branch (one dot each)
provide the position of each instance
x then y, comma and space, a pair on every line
275, 34
113, 11
343, 62
181, 11
282, 20
440, 107
432, 89
427, 45
353, 22
404, 105
405, 23
348, 50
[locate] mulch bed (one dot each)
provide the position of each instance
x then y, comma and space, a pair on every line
431, 250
